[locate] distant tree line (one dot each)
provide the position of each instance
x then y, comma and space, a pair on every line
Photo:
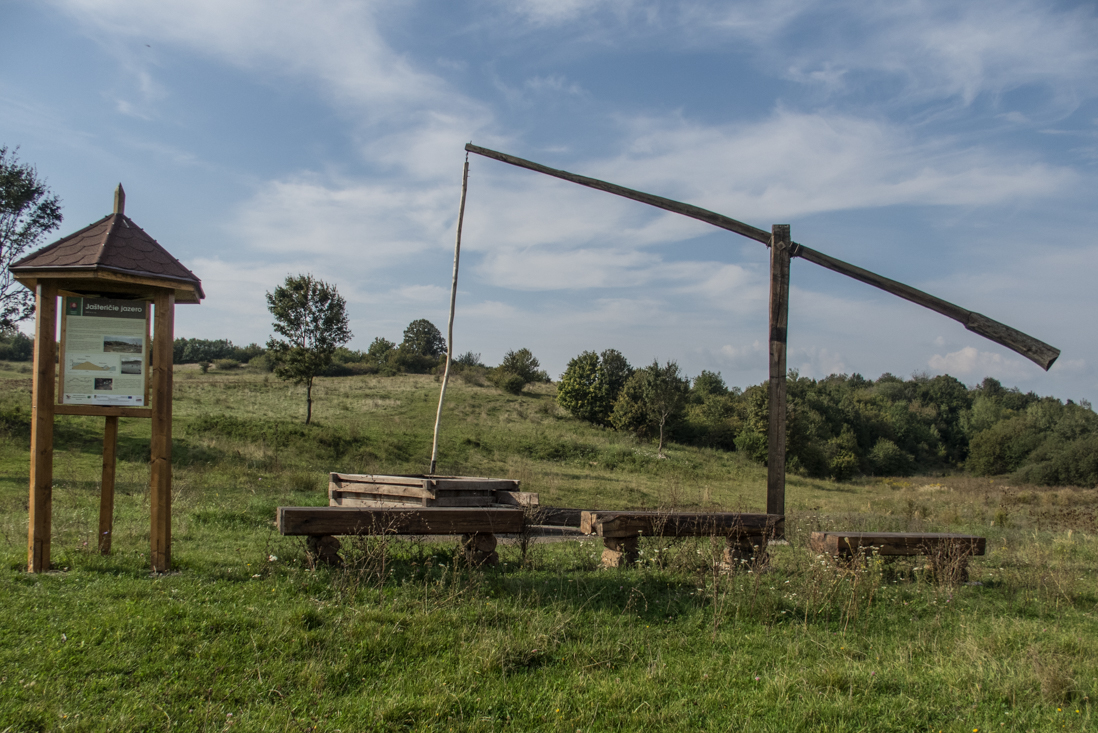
843, 426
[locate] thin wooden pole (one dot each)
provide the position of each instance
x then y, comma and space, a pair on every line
41, 447
160, 479
106, 490
450, 326
779, 319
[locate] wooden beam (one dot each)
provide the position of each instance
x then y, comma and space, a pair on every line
106, 486
896, 543
41, 446
675, 207
160, 479
103, 411
334, 520
679, 524
779, 319
1033, 349
1037, 351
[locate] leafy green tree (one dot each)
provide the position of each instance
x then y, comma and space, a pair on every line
518, 369
591, 384
311, 316
28, 211
423, 339
653, 399
578, 390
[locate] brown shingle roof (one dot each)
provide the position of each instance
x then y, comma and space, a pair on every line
115, 244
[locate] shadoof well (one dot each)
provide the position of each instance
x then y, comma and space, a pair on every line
119, 289
478, 508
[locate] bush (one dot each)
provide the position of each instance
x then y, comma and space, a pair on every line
261, 363
225, 365
888, 459
508, 382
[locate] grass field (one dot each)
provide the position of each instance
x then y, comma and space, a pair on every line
243, 636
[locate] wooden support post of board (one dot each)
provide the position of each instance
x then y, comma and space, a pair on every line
779, 319
160, 480
480, 548
41, 446
620, 552
106, 486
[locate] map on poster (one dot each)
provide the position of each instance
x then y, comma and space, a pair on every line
104, 351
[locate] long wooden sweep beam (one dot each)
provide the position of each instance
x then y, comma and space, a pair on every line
1033, 349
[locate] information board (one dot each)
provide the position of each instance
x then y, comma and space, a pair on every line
104, 352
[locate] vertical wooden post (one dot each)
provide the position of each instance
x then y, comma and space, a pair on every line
41, 447
106, 491
160, 479
779, 318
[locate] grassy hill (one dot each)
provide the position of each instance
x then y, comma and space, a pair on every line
243, 636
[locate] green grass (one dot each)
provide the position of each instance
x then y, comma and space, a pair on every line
243, 636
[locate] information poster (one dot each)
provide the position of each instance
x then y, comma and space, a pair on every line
104, 351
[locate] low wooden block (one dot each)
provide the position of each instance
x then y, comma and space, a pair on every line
897, 543
480, 548
620, 551
324, 550
331, 520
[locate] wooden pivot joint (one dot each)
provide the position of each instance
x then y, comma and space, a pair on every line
480, 549
620, 552
323, 549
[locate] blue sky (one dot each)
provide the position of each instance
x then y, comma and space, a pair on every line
952, 146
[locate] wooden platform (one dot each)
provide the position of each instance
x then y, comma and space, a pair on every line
747, 535
375, 490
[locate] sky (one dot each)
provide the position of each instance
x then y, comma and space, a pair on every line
950, 146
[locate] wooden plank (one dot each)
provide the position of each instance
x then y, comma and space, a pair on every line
106, 486
379, 490
895, 543
555, 516
362, 478
368, 500
677, 207
517, 498
41, 443
103, 411
160, 478
445, 500
680, 524
779, 319
479, 484
330, 520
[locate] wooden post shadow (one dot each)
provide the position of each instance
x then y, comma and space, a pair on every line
112, 278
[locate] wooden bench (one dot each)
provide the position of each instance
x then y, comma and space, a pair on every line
746, 535
948, 553
477, 525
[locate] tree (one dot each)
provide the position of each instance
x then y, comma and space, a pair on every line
311, 316
28, 211
591, 384
423, 339
653, 398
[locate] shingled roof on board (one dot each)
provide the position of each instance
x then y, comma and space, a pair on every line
115, 244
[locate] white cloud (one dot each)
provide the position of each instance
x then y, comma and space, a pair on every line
971, 362
793, 164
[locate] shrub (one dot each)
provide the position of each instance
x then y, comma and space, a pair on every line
888, 459
225, 365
